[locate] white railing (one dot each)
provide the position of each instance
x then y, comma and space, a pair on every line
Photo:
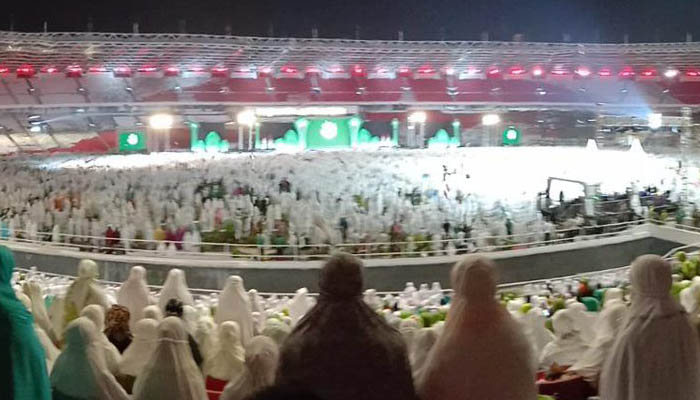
396, 249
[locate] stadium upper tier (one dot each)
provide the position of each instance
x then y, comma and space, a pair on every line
46, 70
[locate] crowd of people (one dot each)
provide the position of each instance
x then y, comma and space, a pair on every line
425, 203
637, 339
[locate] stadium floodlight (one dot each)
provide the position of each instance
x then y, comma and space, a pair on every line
246, 117
655, 120
671, 73
161, 121
418, 117
490, 119
35, 129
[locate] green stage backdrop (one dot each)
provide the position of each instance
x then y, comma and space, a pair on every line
328, 133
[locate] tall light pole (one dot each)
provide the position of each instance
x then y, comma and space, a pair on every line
246, 117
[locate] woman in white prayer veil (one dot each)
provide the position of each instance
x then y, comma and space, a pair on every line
205, 336
656, 355
175, 287
567, 346
134, 294
80, 371
607, 328
139, 351
38, 309
112, 357
423, 342
171, 373
342, 349
261, 359
482, 352
153, 312
84, 291
234, 305
227, 363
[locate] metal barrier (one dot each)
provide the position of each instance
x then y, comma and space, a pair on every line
306, 252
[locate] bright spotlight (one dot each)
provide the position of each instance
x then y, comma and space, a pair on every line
655, 120
246, 117
161, 121
35, 129
671, 73
418, 117
490, 119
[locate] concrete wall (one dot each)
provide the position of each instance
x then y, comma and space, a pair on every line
384, 275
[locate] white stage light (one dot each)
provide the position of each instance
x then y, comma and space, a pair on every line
35, 129
161, 121
671, 73
246, 117
418, 117
655, 120
490, 119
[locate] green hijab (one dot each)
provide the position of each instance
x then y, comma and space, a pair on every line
22, 361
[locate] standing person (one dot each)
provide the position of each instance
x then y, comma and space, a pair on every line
84, 291
117, 330
175, 287
134, 295
171, 373
234, 305
261, 359
657, 354
342, 349
482, 352
22, 361
175, 308
80, 372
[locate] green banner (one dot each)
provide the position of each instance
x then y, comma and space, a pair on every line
132, 141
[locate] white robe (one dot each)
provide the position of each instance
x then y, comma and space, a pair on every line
171, 372
234, 305
80, 370
134, 294
657, 353
228, 361
175, 287
139, 351
482, 352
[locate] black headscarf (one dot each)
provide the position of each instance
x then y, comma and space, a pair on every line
342, 349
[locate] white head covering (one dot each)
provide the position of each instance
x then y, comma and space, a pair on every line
299, 305
423, 342
171, 373
205, 336
584, 322
227, 363
80, 370
175, 287
234, 305
133, 294
607, 328
534, 326
153, 312
112, 357
567, 346
85, 290
690, 298
613, 294
482, 351
276, 330
139, 351
261, 358
657, 354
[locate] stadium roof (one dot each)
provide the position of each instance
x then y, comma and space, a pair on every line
136, 50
